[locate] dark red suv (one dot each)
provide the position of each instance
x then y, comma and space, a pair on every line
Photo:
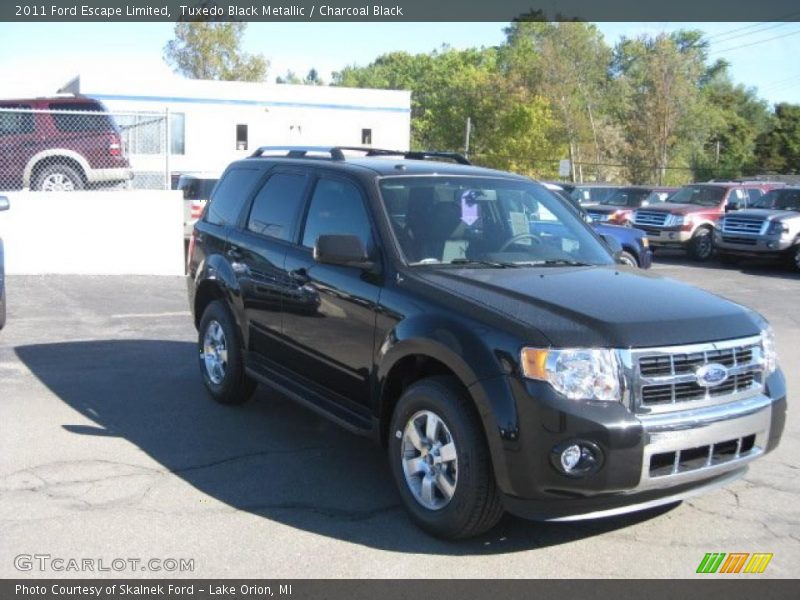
59, 144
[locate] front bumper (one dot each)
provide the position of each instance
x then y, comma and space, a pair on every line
751, 245
669, 236
707, 447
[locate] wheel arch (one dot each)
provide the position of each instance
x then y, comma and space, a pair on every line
51, 156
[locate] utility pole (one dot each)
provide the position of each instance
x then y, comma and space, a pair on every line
466, 137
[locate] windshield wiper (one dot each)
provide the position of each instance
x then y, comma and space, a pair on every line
563, 261
486, 263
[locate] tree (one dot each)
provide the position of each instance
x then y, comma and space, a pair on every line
290, 77
211, 50
778, 149
660, 104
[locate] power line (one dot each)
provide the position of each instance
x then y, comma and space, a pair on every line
777, 37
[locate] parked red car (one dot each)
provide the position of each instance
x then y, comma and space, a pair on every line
60, 143
687, 220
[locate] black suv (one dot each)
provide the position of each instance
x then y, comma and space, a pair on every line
473, 324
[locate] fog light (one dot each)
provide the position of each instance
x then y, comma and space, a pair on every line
570, 457
576, 458
771, 245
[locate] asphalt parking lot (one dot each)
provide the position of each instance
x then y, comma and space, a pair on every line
110, 448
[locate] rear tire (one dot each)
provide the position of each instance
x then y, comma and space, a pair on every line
58, 177
793, 258
220, 356
701, 246
462, 499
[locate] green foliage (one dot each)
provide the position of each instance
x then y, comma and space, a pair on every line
778, 149
212, 50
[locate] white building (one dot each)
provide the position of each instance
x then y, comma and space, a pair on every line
212, 123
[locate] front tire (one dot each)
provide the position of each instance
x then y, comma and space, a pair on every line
220, 356
701, 246
794, 258
440, 461
626, 258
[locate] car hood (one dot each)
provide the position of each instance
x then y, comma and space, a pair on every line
598, 306
766, 213
606, 208
679, 209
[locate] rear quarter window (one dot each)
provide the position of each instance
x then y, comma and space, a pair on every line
230, 196
14, 121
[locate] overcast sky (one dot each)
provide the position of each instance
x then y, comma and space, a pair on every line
37, 58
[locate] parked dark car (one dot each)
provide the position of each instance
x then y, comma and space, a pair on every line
617, 208
4, 205
688, 219
634, 246
502, 368
592, 193
62, 143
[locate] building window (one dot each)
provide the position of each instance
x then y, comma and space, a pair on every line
366, 137
177, 133
241, 137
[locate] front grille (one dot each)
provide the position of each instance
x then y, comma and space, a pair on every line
668, 377
740, 225
650, 217
691, 459
739, 240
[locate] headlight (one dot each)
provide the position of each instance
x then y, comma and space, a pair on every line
777, 228
577, 373
645, 242
676, 220
770, 354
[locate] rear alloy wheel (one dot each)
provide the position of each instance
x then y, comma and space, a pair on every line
701, 246
220, 354
626, 258
440, 460
58, 178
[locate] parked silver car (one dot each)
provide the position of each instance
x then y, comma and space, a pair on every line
770, 228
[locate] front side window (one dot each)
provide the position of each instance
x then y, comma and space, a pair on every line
456, 220
277, 206
229, 196
337, 208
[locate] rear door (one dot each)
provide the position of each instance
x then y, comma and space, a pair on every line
257, 250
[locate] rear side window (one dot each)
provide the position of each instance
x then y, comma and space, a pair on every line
73, 119
277, 206
336, 209
230, 195
13, 122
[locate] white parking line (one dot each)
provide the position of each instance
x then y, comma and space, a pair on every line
180, 313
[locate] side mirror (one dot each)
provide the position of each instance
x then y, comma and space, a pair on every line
731, 205
613, 245
342, 250
4, 203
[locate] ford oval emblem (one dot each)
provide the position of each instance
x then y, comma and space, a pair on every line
711, 375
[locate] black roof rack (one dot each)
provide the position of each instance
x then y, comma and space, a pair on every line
337, 152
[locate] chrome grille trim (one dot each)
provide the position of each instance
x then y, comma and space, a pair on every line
744, 225
670, 382
646, 217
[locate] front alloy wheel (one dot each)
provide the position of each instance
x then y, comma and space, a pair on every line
215, 352
430, 460
702, 245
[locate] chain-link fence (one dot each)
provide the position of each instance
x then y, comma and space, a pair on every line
75, 145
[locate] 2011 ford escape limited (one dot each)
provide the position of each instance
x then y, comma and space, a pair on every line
473, 324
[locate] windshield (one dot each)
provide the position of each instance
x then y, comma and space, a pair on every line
630, 197
492, 222
779, 200
704, 195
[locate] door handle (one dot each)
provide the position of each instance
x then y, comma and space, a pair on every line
300, 276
